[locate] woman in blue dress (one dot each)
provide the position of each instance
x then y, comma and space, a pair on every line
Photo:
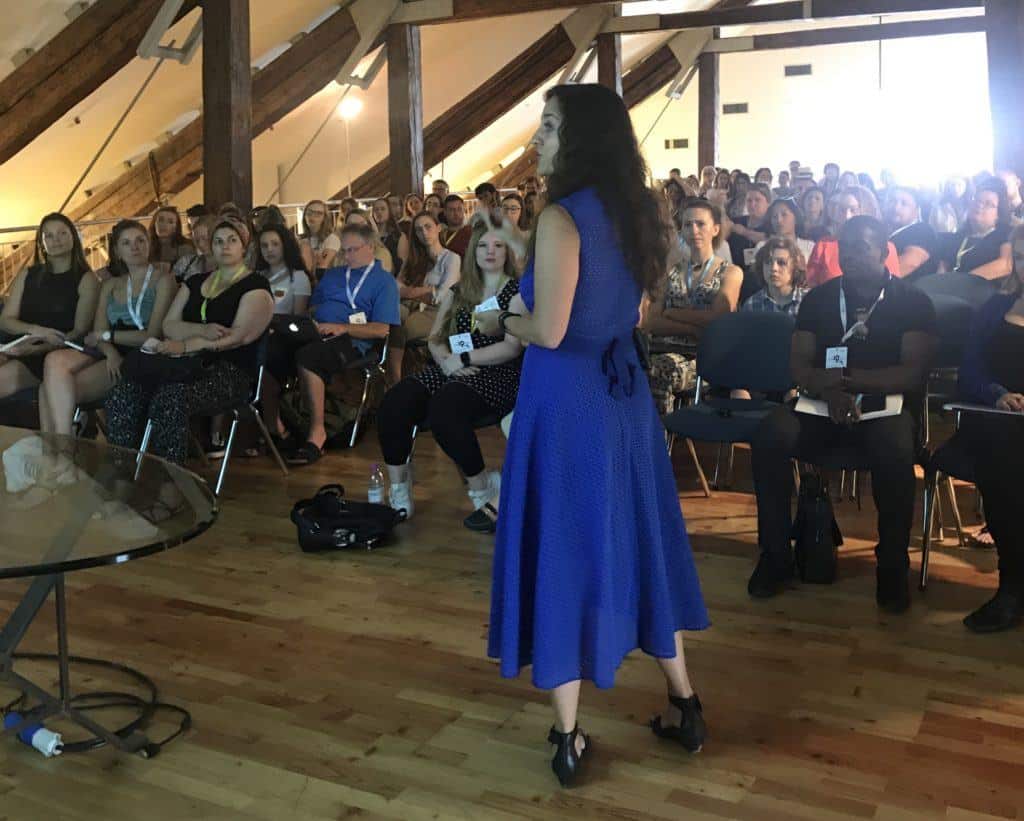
592, 559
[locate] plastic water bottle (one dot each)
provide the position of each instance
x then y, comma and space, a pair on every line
375, 494
36, 735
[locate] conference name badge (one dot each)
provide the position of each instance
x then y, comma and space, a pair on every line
836, 357
357, 319
460, 343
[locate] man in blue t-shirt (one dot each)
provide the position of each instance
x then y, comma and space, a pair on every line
354, 307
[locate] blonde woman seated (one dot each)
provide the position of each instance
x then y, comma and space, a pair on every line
426, 278
132, 306
697, 290
473, 376
318, 241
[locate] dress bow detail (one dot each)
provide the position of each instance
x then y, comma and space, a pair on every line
620, 371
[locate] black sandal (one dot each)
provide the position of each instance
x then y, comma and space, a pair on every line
567, 763
692, 731
306, 454
484, 520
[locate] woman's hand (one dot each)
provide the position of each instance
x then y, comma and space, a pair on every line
452, 365
92, 339
472, 370
151, 345
213, 331
487, 323
171, 347
1011, 402
114, 360
48, 335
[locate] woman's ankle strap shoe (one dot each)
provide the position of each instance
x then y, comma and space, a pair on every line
566, 763
691, 730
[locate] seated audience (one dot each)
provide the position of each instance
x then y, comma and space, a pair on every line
348, 205
167, 242
812, 205
280, 261
51, 301
866, 333
530, 205
209, 359
696, 291
354, 307
1013, 196
193, 214
473, 376
736, 207
440, 188
200, 260
513, 212
823, 263
396, 205
830, 182
784, 219
764, 175
915, 241
456, 231
263, 215
434, 206
388, 231
848, 179
488, 199
319, 242
357, 216
782, 267
783, 190
428, 274
131, 309
752, 228
707, 179
992, 374
950, 211
982, 246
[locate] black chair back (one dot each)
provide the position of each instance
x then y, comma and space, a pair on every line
971, 289
747, 350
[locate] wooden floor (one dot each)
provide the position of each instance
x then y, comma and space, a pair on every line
356, 685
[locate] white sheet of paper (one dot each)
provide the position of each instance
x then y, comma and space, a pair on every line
836, 357
819, 407
489, 304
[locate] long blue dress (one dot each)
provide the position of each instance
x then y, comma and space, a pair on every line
591, 559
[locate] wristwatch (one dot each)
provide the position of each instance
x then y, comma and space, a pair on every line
107, 336
464, 357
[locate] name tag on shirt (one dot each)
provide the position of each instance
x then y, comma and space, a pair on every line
357, 319
460, 343
836, 357
489, 304
749, 257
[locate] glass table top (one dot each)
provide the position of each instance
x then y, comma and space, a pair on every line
68, 504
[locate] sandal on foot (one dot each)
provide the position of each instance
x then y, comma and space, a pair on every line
484, 520
691, 731
567, 763
306, 454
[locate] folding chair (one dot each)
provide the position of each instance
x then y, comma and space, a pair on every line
750, 351
248, 407
372, 364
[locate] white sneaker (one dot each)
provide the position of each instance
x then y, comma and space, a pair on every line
400, 497
481, 497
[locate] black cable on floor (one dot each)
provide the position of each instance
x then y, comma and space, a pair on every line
89, 702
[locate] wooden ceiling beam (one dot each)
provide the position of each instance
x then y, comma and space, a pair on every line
849, 34
71, 66
779, 13
429, 12
502, 92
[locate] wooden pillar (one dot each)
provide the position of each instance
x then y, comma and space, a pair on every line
1004, 35
609, 61
708, 109
405, 109
227, 104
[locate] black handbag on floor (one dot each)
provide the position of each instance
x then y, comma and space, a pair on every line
329, 521
816, 533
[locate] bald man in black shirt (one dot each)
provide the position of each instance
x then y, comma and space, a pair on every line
864, 333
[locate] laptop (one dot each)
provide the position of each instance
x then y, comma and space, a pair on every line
297, 330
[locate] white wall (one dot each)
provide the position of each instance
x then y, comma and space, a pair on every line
930, 118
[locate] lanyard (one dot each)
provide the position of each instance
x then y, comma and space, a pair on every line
904, 228
213, 288
965, 249
359, 285
135, 311
703, 275
860, 323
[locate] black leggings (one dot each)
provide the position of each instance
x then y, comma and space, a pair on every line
451, 413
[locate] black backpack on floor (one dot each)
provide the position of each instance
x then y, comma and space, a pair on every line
329, 521
815, 534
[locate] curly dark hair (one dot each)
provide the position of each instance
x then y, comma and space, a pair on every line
289, 244
764, 254
597, 147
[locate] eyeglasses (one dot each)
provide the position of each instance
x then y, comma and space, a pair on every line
351, 249
511, 209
